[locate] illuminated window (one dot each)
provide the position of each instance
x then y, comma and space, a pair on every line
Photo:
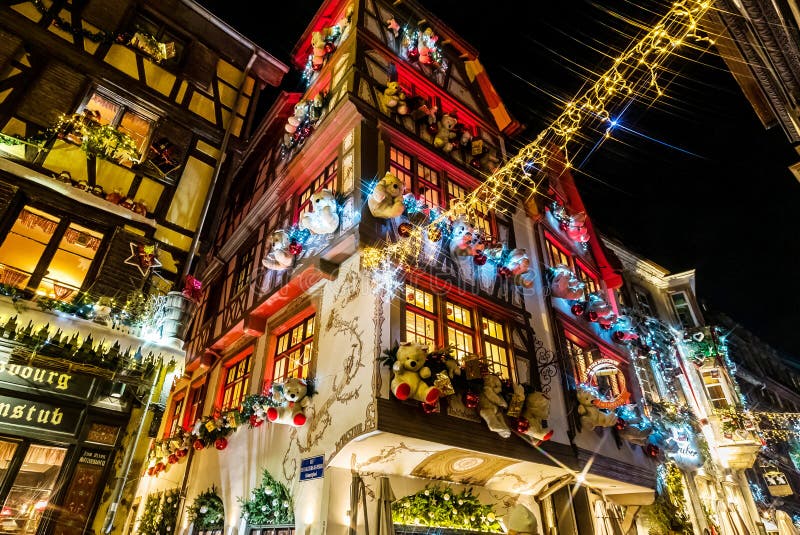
716, 392
420, 317
400, 166
325, 180
293, 351
588, 278
683, 309
428, 185
28, 260
460, 330
580, 358
555, 255
244, 267
173, 422
113, 110
236, 381
456, 192
495, 342
194, 407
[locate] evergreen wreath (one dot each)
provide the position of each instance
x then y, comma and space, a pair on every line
207, 511
269, 504
168, 514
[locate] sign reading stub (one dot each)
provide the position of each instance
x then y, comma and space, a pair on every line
311, 467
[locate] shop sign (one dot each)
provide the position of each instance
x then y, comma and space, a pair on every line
312, 467
86, 480
777, 484
607, 367
684, 451
38, 416
42, 379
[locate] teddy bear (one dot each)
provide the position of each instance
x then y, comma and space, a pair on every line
591, 416
278, 258
576, 229
490, 404
300, 112
394, 98
427, 46
409, 372
564, 284
536, 409
637, 431
318, 52
446, 133
599, 311
461, 239
519, 265
293, 404
325, 217
344, 22
489, 161
386, 199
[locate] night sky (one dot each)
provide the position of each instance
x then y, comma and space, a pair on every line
694, 181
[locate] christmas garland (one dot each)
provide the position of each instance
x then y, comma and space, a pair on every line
207, 510
667, 514
300, 126
148, 522
168, 514
441, 507
254, 409
214, 430
269, 504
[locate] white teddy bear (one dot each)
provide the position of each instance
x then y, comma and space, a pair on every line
295, 401
386, 199
490, 405
325, 217
600, 311
300, 112
278, 258
537, 408
591, 416
461, 239
446, 133
519, 265
564, 284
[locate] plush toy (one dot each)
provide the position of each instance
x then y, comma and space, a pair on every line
490, 405
599, 311
624, 331
386, 199
521, 521
564, 284
537, 408
393, 26
325, 217
318, 52
344, 23
409, 372
300, 111
278, 258
461, 239
637, 431
427, 46
576, 228
294, 403
394, 98
591, 416
317, 108
519, 265
446, 133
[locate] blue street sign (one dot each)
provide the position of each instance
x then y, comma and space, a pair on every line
311, 467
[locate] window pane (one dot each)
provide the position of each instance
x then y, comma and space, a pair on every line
420, 329
294, 351
460, 315
493, 329
419, 298
106, 110
461, 341
31, 490
137, 127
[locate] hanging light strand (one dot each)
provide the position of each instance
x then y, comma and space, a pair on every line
633, 75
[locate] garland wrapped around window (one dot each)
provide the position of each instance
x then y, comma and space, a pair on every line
269, 504
98, 140
442, 507
207, 510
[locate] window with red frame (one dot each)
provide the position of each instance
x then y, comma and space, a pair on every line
425, 315
555, 254
581, 356
588, 278
293, 351
456, 192
236, 380
194, 405
325, 180
173, 423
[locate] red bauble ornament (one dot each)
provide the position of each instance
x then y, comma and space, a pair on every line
592, 315
522, 425
316, 67
221, 443
471, 400
433, 129
253, 420
181, 453
151, 471
430, 408
413, 53
652, 450
605, 326
503, 271
295, 248
198, 445
160, 466
259, 422
404, 229
620, 425
618, 336
172, 459
475, 162
329, 48
577, 309
480, 259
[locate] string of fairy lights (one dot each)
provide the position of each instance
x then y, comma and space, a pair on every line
633, 75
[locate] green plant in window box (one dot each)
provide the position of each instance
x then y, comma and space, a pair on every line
440, 506
269, 504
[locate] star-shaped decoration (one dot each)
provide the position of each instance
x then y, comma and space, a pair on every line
143, 257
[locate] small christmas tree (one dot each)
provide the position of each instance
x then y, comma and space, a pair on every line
207, 511
148, 523
269, 504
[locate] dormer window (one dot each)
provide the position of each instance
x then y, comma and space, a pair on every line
683, 309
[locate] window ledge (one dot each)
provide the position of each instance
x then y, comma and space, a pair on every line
76, 194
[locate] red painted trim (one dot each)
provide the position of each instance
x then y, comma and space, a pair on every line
228, 364
172, 416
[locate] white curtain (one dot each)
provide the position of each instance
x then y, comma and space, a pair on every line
45, 455
7, 450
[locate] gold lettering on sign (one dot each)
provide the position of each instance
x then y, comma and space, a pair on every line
30, 413
38, 376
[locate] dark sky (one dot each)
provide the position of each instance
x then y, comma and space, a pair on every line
694, 181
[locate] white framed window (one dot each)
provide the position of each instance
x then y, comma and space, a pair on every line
683, 309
